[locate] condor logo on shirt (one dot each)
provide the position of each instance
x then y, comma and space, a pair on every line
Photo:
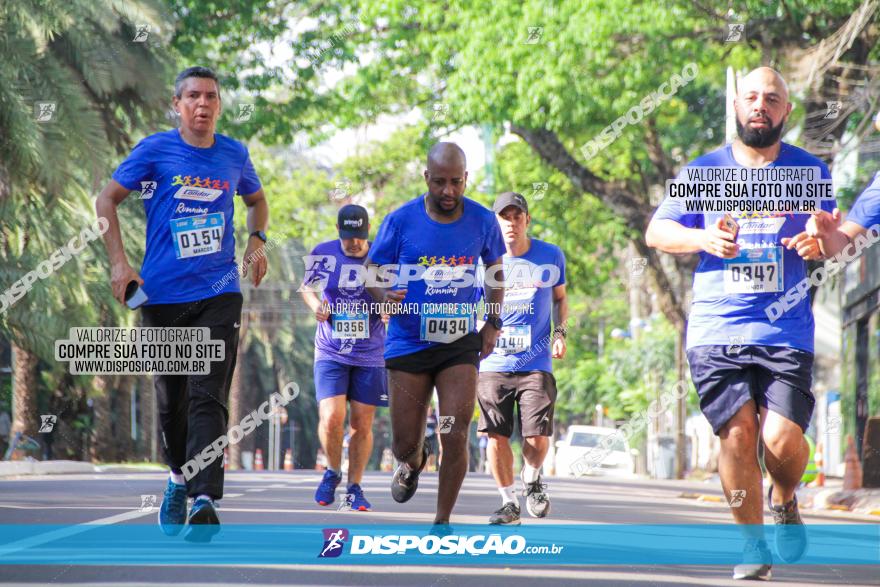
189, 192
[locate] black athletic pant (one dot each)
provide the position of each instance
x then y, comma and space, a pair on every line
193, 408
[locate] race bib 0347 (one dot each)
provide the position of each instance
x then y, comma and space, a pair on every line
754, 271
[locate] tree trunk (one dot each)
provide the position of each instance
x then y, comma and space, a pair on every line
235, 391
24, 392
122, 420
102, 446
634, 210
147, 438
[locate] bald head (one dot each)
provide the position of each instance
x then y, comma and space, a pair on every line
445, 154
446, 178
763, 78
762, 108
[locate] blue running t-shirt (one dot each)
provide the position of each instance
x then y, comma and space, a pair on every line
353, 335
439, 310
866, 211
720, 316
525, 343
188, 199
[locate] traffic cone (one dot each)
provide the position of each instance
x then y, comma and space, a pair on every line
258, 460
288, 460
852, 474
225, 459
820, 467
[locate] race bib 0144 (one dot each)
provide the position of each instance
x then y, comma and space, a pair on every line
514, 339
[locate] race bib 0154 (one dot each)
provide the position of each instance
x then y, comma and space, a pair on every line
195, 236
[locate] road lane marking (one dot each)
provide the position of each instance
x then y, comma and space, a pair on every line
47, 537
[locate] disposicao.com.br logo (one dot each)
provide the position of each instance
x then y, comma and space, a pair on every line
453, 544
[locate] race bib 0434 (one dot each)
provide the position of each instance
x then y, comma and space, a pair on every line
445, 327
198, 235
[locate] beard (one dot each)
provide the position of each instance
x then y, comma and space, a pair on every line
759, 138
437, 208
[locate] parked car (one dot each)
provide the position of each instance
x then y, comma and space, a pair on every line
575, 453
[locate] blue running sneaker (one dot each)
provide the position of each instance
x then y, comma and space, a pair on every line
172, 514
204, 522
358, 502
326, 492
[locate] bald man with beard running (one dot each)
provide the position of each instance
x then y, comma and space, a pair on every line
753, 375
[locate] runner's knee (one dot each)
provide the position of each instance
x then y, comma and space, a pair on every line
739, 433
782, 441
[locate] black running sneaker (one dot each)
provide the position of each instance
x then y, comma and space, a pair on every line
406, 480
203, 521
791, 534
537, 501
756, 562
506, 515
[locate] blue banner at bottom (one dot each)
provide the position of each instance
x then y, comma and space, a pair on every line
544, 544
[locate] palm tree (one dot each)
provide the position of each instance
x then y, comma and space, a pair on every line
74, 87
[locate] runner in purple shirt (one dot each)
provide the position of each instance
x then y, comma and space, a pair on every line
349, 343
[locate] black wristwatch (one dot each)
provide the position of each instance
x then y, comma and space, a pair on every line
495, 321
260, 235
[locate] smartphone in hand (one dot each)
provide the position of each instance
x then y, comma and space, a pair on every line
730, 224
134, 295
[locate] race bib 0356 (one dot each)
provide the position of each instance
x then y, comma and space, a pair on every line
351, 325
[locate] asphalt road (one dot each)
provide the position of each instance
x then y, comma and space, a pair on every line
286, 498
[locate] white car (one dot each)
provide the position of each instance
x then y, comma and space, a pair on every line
585, 451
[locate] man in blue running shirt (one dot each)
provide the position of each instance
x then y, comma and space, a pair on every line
753, 375
349, 341
518, 374
433, 244
188, 178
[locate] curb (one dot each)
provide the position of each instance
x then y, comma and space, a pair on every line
16, 468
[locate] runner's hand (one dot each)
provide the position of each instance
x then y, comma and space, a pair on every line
121, 274
559, 347
322, 314
488, 336
807, 246
821, 224
255, 256
718, 241
392, 297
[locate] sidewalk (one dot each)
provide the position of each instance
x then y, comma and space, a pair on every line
833, 497
829, 501
33, 467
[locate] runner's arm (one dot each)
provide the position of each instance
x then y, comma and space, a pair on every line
121, 272
560, 320
316, 305
672, 237
257, 220
381, 291
494, 293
